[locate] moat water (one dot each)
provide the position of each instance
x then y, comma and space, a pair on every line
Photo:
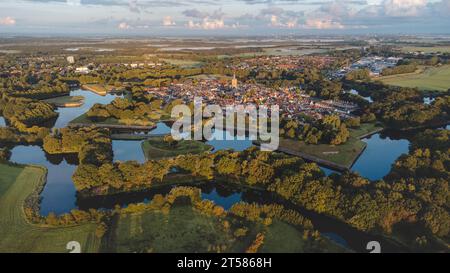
59, 194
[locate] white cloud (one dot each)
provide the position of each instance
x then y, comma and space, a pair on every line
207, 24
404, 8
73, 2
167, 21
123, 26
7, 21
323, 24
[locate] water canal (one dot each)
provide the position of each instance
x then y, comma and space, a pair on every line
59, 194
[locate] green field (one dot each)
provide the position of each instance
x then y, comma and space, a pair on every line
342, 155
67, 101
83, 119
278, 51
182, 63
183, 230
426, 49
284, 238
431, 79
17, 234
96, 88
156, 148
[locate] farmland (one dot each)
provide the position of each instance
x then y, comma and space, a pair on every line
17, 234
430, 79
156, 148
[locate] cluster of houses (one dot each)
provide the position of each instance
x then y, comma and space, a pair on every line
291, 101
375, 64
283, 62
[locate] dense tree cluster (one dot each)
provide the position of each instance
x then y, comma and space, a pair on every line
252, 166
142, 111
33, 85
329, 130
23, 113
119, 177
358, 75
92, 145
34, 135
5, 154
400, 69
403, 108
260, 213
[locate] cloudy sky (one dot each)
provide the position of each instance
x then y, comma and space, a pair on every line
232, 17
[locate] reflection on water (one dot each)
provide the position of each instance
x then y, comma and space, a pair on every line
68, 114
355, 92
219, 193
161, 129
223, 200
428, 100
127, 150
381, 152
229, 142
328, 171
336, 238
59, 193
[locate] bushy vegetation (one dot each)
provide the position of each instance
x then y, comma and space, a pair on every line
33, 85
92, 145
5, 154
329, 130
142, 110
24, 113
404, 109
400, 69
358, 75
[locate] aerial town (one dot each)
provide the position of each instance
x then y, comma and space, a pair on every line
90, 162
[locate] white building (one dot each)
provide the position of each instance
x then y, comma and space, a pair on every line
82, 70
71, 59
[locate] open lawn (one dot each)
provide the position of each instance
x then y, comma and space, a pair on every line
113, 122
8, 176
67, 101
17, 234
183, 63
183, 230
431, 79
156, 148
96, 88
426, 49
365, 129
339, 157
285, 238
85, 120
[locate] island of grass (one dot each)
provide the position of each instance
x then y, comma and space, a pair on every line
67, 101
185, 230
426, 79
337, 157
17, 234
96, 88
181, 227
113, 123
125, 113
157, 148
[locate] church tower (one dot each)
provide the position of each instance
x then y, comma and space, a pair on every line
234, 82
